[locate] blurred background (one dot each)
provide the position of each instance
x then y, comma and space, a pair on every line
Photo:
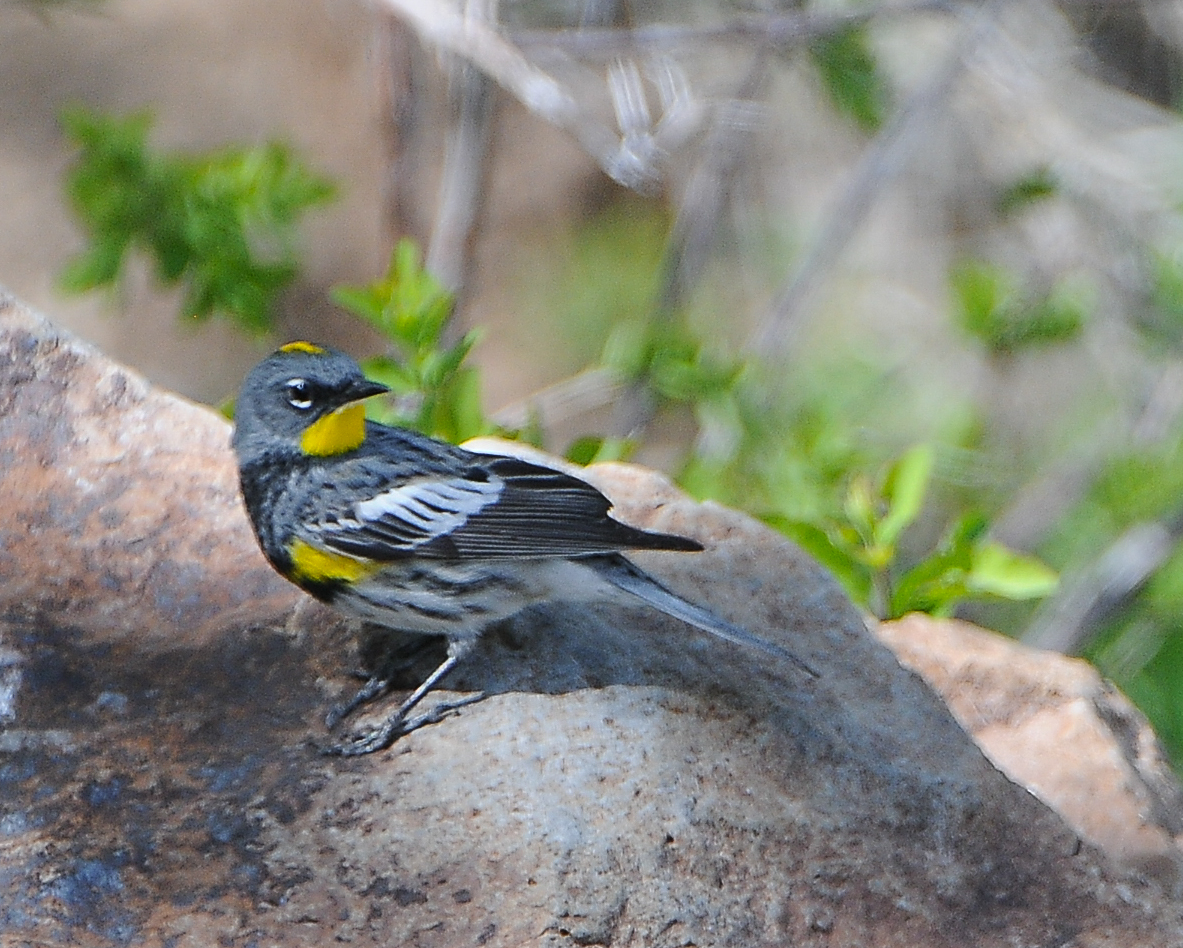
902, 278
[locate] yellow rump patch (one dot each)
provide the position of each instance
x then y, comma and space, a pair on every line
313, 565
335, 433
303, 347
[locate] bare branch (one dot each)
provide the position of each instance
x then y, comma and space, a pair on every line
1095, 593
773, 30
708, 191
461, 194
588, 391
440, 23
882, 161
703, 203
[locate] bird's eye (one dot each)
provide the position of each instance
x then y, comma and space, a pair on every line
299, 394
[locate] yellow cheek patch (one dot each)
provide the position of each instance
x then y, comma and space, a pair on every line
307, 347
316, 566
336, 433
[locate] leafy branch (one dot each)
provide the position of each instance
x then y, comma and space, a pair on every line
862, 548
435, 391
220, 224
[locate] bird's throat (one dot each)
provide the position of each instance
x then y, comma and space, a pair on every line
336, 433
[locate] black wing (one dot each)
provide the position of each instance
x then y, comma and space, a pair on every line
490, 506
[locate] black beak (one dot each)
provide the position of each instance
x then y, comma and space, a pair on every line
364, 388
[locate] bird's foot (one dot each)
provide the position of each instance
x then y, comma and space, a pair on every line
374, 688
396, 726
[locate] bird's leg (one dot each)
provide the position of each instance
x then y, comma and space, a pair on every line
391, 663
397, 724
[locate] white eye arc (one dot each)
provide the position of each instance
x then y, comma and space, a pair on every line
299, 394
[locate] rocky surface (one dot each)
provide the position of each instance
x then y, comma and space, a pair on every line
1054, 725
626, 782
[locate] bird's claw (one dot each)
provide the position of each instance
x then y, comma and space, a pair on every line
396, 726
374, 687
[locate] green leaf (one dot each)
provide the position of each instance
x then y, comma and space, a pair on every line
439, 393
391, 373
461, 407
220, 224
360, 300
967, 566
1038, 185
860, 507
593, 449
961, 539
1010, 575
449, 361
96, 267
992, 310
407, 305
853, 575
905, 490
984, 294
850, 75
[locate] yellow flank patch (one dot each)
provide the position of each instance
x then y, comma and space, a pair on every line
303, 347
336, 433
313, 565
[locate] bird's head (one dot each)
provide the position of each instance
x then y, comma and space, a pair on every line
304, 397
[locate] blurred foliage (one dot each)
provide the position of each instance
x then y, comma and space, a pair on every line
433, 390
1028, 189
850, 77
794, 456
861, 548
1162, 321
220, 224
1140, 646
671, 361
624, 238
804, 472
990, 307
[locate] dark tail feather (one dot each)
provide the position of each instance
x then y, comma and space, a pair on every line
624, 575
633, 539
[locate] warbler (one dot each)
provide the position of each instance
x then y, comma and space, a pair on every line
419, 535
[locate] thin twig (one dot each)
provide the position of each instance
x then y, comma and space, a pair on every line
402, 66
883, 160
462, 192
1068, 622
556, 404
772, 30
703, 203
440, 23
708, 192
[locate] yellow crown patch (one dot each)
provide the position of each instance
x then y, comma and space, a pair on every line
301, 346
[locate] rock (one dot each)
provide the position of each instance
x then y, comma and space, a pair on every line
1055, 726
627, 781
121, 510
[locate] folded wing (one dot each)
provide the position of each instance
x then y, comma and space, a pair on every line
498, 507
